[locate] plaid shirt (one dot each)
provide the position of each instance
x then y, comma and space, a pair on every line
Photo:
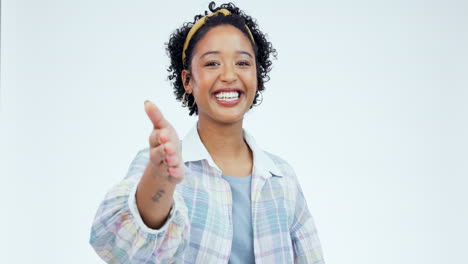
199, 228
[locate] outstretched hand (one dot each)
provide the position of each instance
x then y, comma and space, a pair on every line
164, 150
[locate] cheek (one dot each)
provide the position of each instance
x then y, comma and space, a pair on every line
204, 79
251, 78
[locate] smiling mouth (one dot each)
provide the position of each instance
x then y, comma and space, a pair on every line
227, 96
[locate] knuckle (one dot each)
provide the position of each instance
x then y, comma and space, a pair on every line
167, 147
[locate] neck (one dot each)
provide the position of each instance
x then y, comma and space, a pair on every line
222, 140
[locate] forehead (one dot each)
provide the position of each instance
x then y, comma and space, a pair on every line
225, 39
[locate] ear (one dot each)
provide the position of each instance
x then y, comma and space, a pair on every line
187, 81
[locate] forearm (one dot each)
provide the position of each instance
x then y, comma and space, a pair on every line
154, 197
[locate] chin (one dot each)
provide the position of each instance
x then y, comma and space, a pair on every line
227, 117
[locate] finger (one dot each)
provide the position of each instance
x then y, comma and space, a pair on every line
157, 155
164, 135
158, 137
155, 115
172, 160
169, 148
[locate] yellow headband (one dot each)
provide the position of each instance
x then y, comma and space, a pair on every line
200, 23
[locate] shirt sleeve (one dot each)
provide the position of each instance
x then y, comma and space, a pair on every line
304, 236
118, 233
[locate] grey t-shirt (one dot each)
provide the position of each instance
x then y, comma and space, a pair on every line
242, 251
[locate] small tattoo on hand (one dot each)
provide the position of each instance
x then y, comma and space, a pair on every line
157, 196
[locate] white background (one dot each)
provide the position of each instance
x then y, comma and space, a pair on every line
367, 101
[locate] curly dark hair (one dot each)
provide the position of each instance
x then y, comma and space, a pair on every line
262, 48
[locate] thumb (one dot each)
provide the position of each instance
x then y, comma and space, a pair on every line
155, 115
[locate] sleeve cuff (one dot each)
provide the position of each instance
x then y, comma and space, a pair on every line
136, 214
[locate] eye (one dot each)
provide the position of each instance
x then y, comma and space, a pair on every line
211, 64
243, 63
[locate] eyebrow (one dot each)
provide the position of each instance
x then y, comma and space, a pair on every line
218, 52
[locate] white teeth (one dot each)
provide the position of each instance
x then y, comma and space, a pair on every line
227, 96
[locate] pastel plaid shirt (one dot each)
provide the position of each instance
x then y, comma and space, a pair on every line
199, 228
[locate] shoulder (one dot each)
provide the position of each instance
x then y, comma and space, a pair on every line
281, 164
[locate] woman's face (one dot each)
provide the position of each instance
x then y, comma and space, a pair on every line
223, 78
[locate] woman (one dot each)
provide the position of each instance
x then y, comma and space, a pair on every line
214, 197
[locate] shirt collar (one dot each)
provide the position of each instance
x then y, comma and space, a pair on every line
194, 150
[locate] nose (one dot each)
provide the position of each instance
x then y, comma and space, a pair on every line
228, 74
